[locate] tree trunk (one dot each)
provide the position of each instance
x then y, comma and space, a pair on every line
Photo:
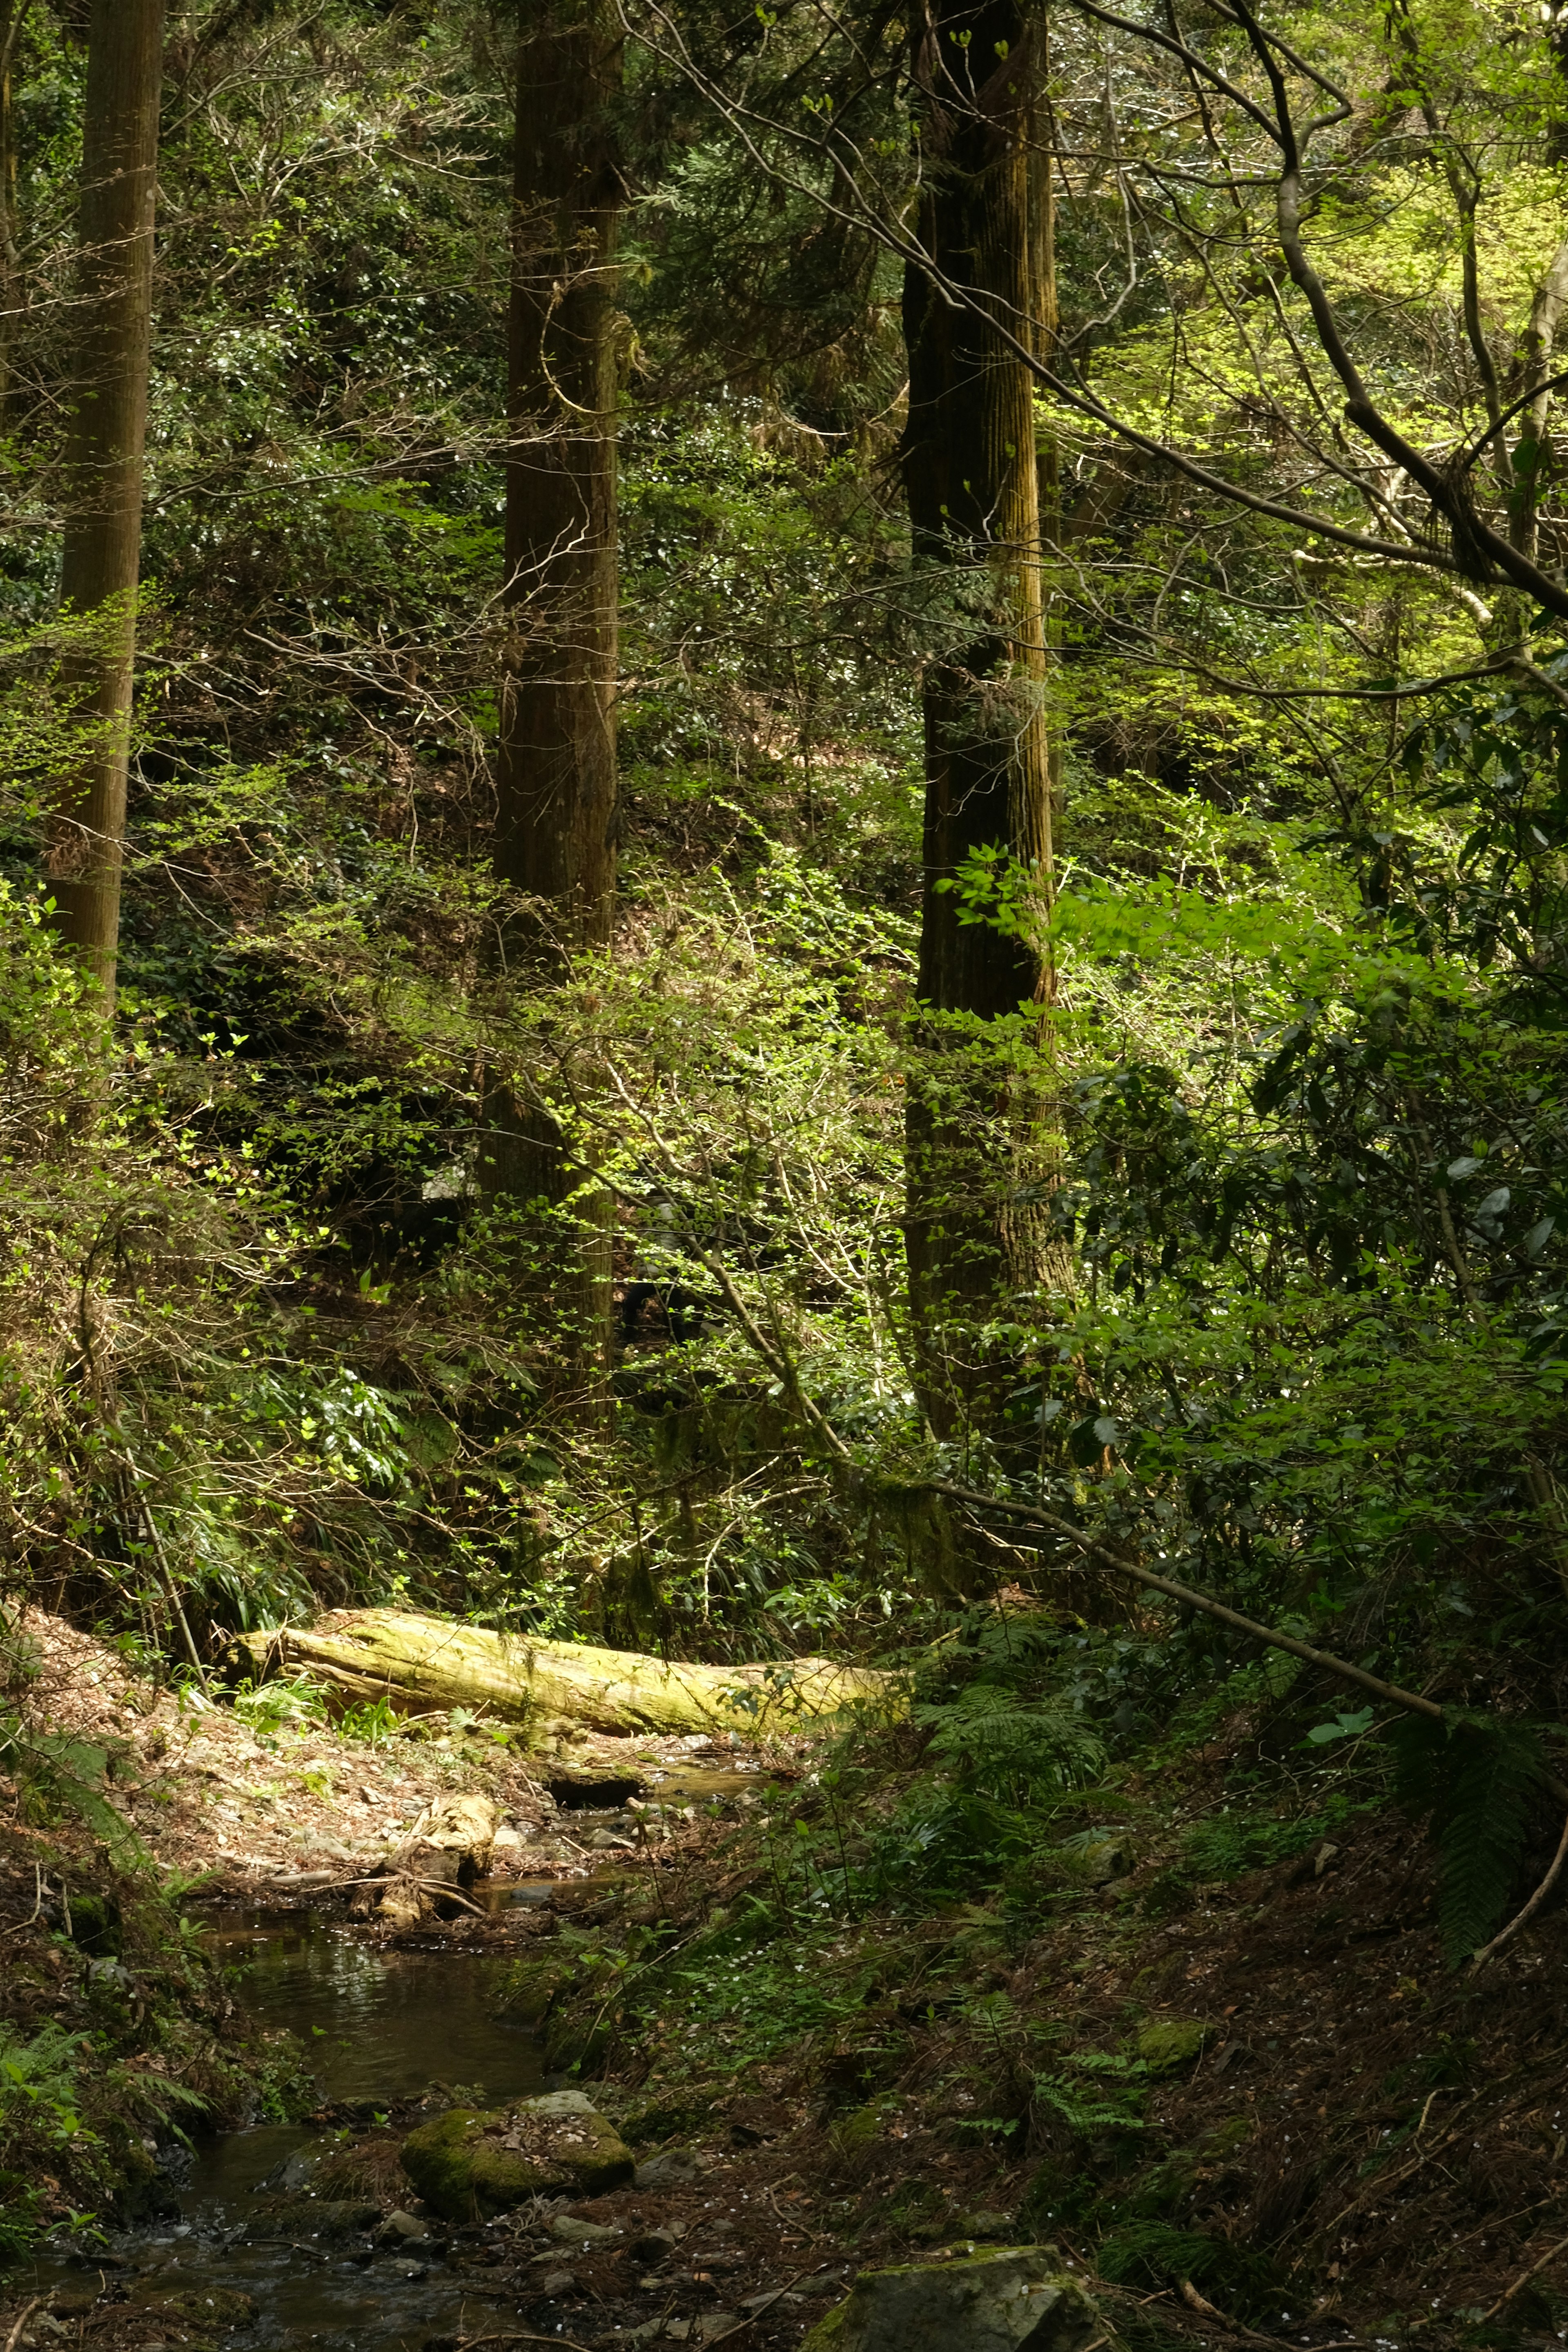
556, 786
391, 1653
975, 1191
13, 13
104, 445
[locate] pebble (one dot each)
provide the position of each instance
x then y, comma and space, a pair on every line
400, 2224
581, 2234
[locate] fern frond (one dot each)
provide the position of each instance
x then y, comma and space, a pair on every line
1478, 1781
1492, 1780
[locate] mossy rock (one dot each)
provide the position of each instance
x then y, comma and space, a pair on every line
1007, 2299
95, 1925
654, 2121
316, 2217
857, 2130
466, 2163
1168, 2043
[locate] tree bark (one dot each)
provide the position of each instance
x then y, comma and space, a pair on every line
105, 442
13, 13
431, 1661
974, 1222
556, 783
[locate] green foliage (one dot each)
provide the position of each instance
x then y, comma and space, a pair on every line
61, 1772
286, 1702
1096, 2091
39, 2086
1480, 1782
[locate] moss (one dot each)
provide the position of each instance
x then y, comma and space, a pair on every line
218, 2306
316, 2217
978, 2297
95, 1925
1168, 2043
467, 2162
856, 2131
672, 2116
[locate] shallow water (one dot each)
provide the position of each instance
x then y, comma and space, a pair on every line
379, 2026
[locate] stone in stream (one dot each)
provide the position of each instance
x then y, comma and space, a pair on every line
1016, 2299
468, 2164
314, 2217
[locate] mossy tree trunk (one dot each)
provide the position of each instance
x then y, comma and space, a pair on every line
556, 782
435, 1663
978, 1172
104, 448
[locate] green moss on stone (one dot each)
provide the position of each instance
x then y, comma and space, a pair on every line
468, 2163
1169, 2042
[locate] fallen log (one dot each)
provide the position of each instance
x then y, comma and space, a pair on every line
434, 1662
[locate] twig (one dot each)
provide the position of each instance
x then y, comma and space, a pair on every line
518, 2336
38, 1906
1525, 2276
1530, 1908
767, 2304
16, 2336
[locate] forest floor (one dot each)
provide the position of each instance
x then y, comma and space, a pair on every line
1260, 2108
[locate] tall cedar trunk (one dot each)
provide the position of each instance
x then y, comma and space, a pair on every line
104, 447
556, 818
11, 13
975, 1218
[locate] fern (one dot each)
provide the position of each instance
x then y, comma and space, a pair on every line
1003, 1743
1478, 1781
1147, 2253
1117, 2106
69, 1772
38, 2083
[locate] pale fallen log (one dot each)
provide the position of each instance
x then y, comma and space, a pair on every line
435, 1662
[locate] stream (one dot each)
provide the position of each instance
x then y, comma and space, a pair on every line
380, 2026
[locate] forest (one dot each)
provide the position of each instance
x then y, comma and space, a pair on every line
783, 929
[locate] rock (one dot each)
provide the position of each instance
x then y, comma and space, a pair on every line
559, 2283
316, 2217
403, 2226
467, 2164
1015, 2300
1107, 1858
581, 2234
292, 2175
653, 2246
1169, 2042
674, 2168
609, 1842
983, 2224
